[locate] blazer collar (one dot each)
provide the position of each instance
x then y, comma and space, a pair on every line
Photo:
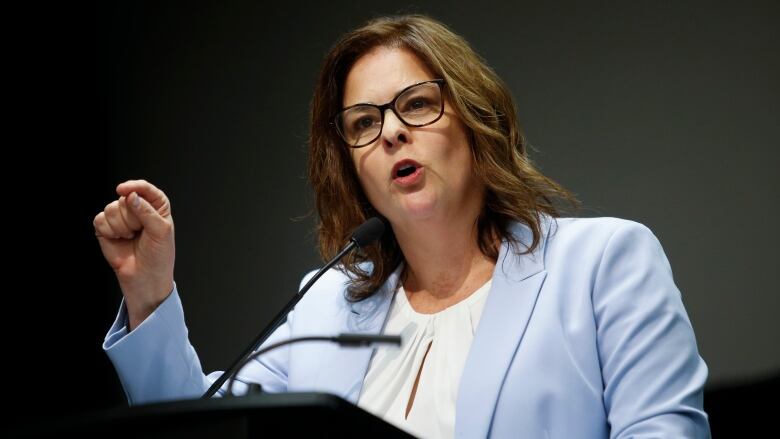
369, 314
343, 372
517, 280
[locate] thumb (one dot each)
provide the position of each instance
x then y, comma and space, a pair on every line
151, 220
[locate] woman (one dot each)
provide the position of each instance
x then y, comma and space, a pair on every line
516, 322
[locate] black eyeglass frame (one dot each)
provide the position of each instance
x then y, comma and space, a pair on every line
391, 105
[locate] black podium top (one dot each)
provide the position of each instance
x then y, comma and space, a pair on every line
254, 416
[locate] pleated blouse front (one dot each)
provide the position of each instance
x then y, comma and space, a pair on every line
438, 343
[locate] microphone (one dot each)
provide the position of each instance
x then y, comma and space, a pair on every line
344, 339
368, 232
365, 234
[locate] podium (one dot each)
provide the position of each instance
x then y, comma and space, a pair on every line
253, 416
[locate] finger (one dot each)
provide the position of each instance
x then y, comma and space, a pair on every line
149, 192
130, 218
114, 219
152, 221
102, 228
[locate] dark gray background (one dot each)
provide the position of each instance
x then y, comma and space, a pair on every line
659, 112
664, 114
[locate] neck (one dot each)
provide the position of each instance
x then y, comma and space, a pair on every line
443, 260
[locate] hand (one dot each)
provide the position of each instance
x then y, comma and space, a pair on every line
135, 234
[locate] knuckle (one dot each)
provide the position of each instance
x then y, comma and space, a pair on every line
104, 230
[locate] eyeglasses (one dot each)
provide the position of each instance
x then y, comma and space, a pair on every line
418, 105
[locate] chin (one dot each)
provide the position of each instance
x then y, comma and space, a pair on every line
419, 207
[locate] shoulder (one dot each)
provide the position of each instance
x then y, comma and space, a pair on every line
594, 228
330, 287
589, 241
596, 232
332, 277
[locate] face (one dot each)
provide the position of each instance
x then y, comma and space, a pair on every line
411, 174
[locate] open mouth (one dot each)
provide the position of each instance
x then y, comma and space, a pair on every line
405, 170
407, 173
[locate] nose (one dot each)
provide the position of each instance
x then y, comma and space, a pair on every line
394, 131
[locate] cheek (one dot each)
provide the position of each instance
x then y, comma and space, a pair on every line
366, 167
359, 166
459, 158
366, 178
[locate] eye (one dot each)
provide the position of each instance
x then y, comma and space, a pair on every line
364, 123
417, 103
359, 119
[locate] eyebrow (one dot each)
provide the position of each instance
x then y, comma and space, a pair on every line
395, 95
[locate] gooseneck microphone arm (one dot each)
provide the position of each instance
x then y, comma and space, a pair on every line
345, 339
365, 234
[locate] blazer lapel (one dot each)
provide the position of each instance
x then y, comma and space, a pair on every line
345, 368
515, 287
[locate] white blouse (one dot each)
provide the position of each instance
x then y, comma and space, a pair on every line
392, 372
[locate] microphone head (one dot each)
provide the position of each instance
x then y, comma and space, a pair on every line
368, 232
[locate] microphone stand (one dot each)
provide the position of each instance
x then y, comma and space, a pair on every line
344, 339
365, 234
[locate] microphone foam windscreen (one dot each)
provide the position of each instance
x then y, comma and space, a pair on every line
368, 232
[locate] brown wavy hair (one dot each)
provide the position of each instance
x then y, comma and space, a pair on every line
514, 189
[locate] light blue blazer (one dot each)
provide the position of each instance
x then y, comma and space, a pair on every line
586, 337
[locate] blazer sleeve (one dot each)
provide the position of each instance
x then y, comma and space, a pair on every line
652, 371
156, 362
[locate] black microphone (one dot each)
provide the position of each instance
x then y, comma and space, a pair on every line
368, 232
344, 339
365, 234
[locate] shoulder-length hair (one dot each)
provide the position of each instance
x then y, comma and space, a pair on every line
514, 189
